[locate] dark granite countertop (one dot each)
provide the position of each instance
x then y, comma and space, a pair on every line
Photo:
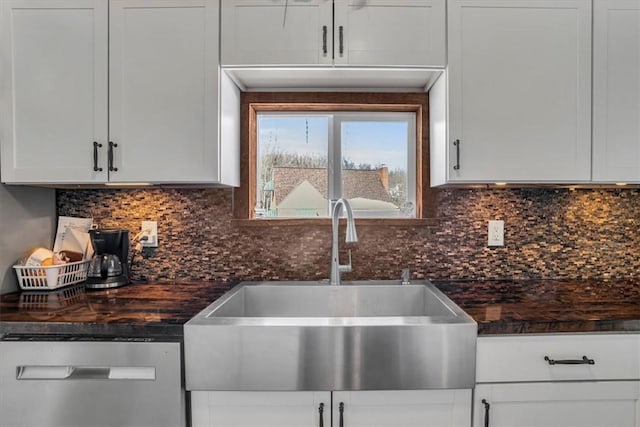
160, 310
136, 310
548, 306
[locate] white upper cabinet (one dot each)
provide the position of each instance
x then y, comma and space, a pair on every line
340, 32
616, 91
390, 32
161, 120
53, 90
163, 96
273, 32
519, 92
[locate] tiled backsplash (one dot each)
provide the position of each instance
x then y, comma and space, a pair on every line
549, 233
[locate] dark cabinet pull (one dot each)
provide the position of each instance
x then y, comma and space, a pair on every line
486, 412
112, 145
96, 145
324, 40
341, 410
341, 38
456, 144
321, 411
584, 361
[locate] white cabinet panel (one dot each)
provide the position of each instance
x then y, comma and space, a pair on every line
560, 404
163, 90
415, 408
616, 91
53, 91
292, 32
116, 91
340, 32
390, 32
259, 409
522, 358
519, 91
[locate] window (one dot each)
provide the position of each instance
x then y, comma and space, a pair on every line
321, 137
306, 159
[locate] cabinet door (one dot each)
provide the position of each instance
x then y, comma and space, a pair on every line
260, 409
519, 90
390, 32
163, 75
424, 408
276, 32
616, 91
53, 90
560, 404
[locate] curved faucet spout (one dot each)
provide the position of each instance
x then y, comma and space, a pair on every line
351, 237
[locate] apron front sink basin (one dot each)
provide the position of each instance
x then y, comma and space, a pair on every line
366, 335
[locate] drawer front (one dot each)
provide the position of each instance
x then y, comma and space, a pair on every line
90, 384
558, 357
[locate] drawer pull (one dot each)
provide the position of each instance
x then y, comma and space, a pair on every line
44, 373
584, 361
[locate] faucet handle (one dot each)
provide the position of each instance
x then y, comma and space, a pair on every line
406, 276
346, 268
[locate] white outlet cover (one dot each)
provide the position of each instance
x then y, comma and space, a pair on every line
495, 233
150, 229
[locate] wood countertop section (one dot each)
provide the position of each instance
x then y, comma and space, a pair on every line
161, 309
548, 306
135, 310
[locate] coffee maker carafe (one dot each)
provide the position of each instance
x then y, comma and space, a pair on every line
109, 266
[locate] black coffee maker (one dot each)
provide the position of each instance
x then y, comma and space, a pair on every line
109, 267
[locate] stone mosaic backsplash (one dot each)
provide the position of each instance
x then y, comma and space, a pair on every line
549, 233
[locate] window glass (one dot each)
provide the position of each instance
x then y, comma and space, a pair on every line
375, 167
292, 166
306, 160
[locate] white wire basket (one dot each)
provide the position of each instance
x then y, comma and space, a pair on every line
51, 277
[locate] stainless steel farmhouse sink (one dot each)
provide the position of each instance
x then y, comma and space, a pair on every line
365, 335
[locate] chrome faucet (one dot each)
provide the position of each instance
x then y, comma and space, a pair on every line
351, 237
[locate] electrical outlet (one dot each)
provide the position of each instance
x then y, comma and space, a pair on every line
150, 231
496, 233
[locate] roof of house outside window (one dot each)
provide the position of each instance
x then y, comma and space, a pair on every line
356, 183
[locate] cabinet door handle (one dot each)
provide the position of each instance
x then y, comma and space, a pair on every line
341, 38
324, 40
456, 144
584, 361
487, 406
341, 410
321, 412
112, 145
96, 145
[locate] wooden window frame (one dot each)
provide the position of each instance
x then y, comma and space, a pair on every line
251, 103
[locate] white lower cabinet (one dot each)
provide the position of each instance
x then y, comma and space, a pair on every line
260, 409
557, 404
423, 408
557, 380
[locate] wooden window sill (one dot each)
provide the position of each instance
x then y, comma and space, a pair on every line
360, 222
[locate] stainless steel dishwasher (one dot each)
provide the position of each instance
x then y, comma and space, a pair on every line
72, 382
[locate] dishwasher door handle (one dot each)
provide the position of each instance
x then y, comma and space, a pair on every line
44, 373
